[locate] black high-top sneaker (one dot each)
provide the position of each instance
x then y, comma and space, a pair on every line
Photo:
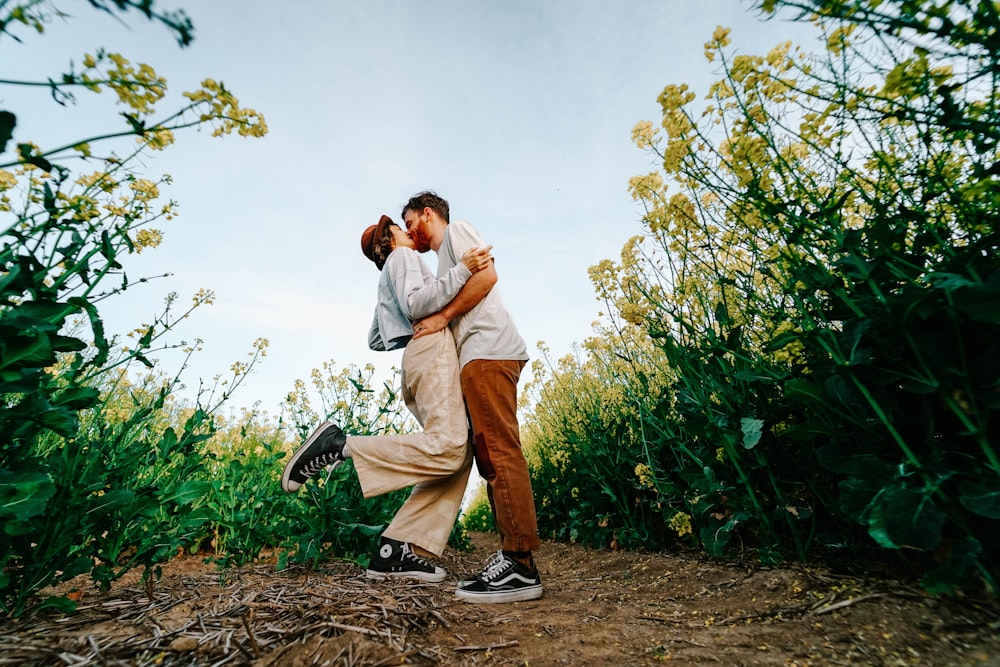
397, 559
322, 449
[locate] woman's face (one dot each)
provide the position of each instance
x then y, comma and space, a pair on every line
401, 238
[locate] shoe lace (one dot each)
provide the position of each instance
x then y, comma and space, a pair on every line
497, 564
320, 462
408, 553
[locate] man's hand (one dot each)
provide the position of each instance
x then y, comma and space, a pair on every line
469, 296
476, 260
430, 324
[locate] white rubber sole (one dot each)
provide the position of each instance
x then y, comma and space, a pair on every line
491, 597
430, 577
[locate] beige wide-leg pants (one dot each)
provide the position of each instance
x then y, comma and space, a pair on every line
437, 461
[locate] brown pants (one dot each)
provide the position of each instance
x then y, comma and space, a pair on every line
437, 461
490, 388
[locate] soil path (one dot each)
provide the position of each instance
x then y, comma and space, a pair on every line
599, 608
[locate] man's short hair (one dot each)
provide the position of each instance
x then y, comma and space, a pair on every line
428, 199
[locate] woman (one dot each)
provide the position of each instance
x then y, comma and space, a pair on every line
436, 462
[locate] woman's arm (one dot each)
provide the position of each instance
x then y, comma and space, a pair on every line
474, 291
419, 293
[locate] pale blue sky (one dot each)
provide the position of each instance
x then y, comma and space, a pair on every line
518, 112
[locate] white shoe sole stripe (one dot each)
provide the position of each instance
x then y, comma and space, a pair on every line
489, 597
430, 577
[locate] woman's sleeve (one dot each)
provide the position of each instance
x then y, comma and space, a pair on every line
420, 294
375, 341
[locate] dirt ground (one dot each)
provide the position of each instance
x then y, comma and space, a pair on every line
599, 608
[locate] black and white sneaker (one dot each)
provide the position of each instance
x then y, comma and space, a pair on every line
322, 449
503, 580
396, 559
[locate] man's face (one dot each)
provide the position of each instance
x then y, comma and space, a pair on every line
417, 226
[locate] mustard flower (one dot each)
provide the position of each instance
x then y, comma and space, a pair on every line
778, 56
680, 523
644, 134
645, 187
147, 238
720, 40
203, 297
839, 39
645, 475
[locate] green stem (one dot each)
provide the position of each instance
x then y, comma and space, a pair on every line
981, 439
117, 135
745, 480
885, 421
779, 494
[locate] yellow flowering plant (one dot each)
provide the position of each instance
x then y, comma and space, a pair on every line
583, 429
818, 276
828, 207
72, 214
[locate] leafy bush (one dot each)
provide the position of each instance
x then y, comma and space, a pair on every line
101, 471
478, 515
583, 439
823, 288
79, 489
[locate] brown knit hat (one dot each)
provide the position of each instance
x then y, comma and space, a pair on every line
371, 236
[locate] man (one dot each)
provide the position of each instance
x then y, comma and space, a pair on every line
491, 354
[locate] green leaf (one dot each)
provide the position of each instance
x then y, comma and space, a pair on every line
138, 125
948, 281
60, 420
981, 497
49, 199
109, 501
142, 360
980, 303
961, 567
838, 389
168, 442
752, 429
77, 398
27, 155
722, 314
10, 283
716, 536
97, 324
146, 339
76, 567
805, 391
60, 603
66, 344
367, 529
24, 494
108, 250
906, 518
859, 494
761, 376
188, 492
7, 123
361, 388
43, 314
846, 460
29, 349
